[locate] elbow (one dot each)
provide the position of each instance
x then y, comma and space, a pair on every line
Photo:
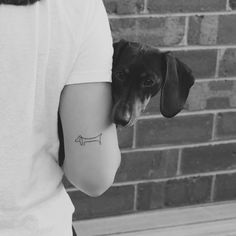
101, 188
96, 178
101, 184
98, 186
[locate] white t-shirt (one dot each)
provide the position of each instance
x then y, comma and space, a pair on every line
43, 47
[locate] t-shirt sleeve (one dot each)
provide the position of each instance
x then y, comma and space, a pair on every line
94, 58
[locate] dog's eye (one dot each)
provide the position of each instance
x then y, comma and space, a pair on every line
148, 82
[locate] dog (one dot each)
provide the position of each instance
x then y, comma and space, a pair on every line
139, 72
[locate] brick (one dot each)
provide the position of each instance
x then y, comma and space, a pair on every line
225, 187
203, 30
178, 130
188, 191
198, 96
228, 63
150, 196
170, 6
226, 125
232, 4
173, 193
224, 85
124, 28
115, 201
217, 103
124, 7
147, 165
227, 29
201, 62
212, 95
164, 31
208, 158
125, 137
156, 31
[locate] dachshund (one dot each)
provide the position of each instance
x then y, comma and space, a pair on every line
139, 72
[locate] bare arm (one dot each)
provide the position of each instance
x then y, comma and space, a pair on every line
92, 154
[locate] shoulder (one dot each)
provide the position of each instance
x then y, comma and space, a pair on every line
82, 7
82, 14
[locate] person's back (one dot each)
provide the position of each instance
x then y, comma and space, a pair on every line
43, 47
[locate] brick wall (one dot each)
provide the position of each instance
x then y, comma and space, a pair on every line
190, 159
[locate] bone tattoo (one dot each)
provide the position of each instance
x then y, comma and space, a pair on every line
80, 139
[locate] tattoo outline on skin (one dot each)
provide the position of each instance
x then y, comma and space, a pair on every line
82, 140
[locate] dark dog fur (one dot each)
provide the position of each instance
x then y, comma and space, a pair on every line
139, 73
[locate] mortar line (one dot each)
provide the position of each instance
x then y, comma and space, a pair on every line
213, 173
136, 182
145, 11
188, 113
213, 188
214, 125
171, 147
178, 172
134, 135
217, 63
186, 28
228, 6
135, 197
200, 80
160, 15
196, 47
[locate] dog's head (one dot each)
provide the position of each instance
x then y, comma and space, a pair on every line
139, 73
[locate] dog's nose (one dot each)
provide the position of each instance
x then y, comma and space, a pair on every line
122, 115
122, 118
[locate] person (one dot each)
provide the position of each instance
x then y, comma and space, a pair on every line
55, 55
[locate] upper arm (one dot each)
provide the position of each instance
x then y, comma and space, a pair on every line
85, 107
85, 111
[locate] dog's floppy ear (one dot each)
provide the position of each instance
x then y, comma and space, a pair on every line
177, 81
